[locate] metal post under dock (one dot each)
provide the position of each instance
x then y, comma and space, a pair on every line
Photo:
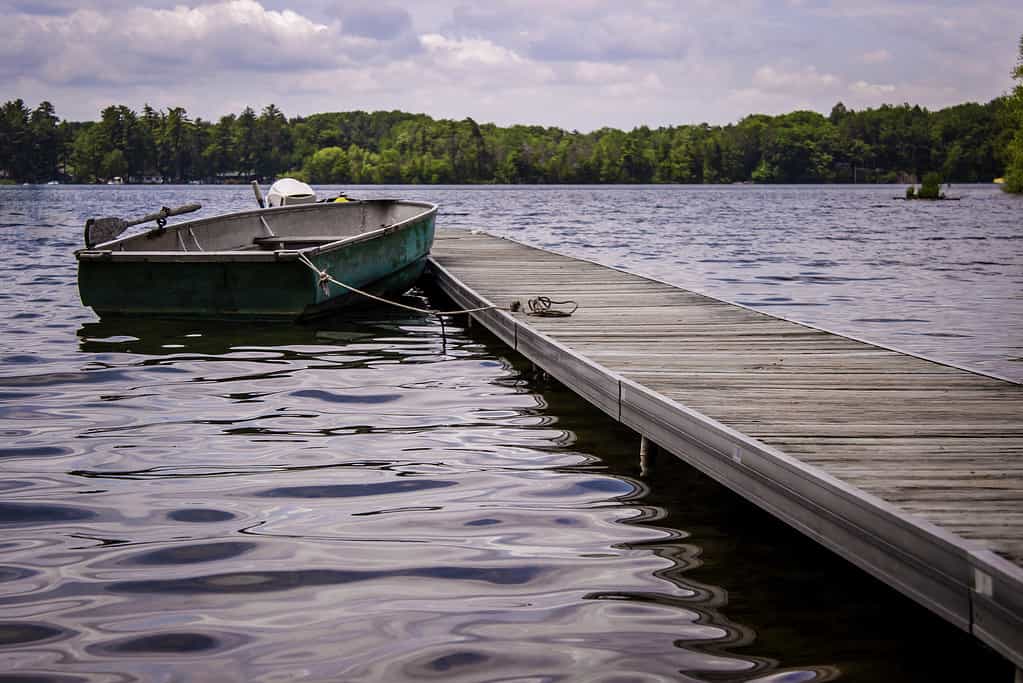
909, 468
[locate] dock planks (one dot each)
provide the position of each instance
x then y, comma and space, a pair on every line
909, 468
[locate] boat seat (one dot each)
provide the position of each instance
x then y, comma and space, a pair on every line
272, 243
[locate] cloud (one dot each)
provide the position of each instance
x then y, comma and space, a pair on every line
582, 64
469, 52
872, 89
381, 22
596, 72
614, 80
876, 57
611, 37
143, 44
776, 90
590, 30
477, 65
65, 7
797, 81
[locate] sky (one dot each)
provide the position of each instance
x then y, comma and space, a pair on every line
580, 64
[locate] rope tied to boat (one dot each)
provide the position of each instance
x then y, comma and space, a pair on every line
324, 279
324, 282
540, 306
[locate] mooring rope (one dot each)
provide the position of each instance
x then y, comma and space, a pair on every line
541, 306
326, 277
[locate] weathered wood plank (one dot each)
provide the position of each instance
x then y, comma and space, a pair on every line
910, 468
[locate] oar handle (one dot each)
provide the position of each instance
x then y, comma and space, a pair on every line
164, 213
259, 195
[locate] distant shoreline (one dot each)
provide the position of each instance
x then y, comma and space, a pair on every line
889, 144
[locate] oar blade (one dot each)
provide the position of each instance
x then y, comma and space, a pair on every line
100, 230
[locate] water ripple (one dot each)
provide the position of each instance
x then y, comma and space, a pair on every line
362, 499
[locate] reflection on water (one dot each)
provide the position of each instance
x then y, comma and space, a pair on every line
358, 500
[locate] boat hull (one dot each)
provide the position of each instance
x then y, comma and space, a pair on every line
274, 285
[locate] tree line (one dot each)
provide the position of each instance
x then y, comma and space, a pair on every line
1014, 154
891, 143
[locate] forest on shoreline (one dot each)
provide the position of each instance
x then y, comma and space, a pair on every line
969, 142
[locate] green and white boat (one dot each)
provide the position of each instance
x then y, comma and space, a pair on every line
296, 259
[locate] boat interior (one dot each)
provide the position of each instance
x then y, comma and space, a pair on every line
289, 227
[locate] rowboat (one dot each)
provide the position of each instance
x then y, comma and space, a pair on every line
284, 261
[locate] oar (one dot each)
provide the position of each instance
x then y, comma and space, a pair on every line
259, 195
100, 230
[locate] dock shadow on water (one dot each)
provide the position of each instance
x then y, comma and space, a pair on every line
357, 501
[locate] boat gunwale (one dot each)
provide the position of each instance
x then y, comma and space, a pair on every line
107, 251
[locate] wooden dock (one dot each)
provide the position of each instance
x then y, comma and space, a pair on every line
911, 469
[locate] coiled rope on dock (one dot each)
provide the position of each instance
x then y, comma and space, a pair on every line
543, 306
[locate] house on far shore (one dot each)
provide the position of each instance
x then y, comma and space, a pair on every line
234, 177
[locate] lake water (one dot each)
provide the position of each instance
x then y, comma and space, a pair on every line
941, 279
354, 500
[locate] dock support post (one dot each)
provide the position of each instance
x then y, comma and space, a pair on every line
647, 453
539, 373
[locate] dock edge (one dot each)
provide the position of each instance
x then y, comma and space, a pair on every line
960, 581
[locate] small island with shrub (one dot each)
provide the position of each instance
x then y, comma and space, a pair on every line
930, 188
